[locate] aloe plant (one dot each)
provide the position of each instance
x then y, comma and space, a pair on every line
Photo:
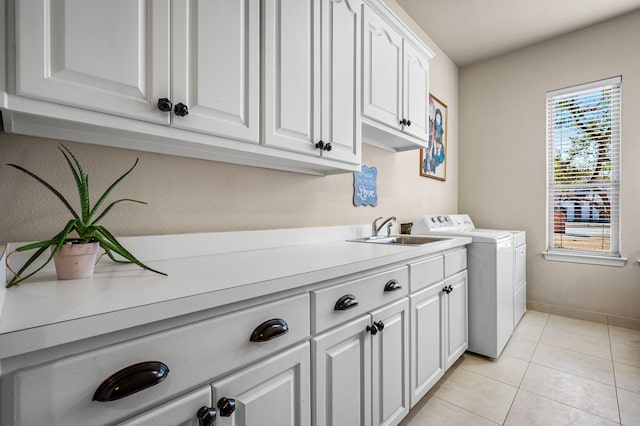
84, 224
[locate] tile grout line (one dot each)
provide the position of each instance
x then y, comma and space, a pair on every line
562, 403
615, 381
526, 369
465, 409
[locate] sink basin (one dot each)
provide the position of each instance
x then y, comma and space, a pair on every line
404, 240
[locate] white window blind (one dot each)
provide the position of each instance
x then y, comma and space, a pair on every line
583, 169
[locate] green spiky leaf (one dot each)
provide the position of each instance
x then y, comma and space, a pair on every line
84, 224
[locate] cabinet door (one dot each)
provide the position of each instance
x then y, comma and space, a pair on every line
382, 71
390, 363
291, 75
457, 338
416, 92
107, 56
216, 66
342, 375
341, 84
179, 412
274, 392
427, 340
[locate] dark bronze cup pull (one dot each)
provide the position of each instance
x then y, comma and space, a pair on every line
130, 380
348, 301
269, 330
392, 285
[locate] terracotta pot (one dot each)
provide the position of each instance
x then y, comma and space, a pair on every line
76, 260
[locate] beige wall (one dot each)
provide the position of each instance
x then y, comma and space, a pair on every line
503, 163
189, 195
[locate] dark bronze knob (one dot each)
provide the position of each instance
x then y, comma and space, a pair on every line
372, 329
165, 104
206, 416
226, 406
403, 122
408, 122
328, 147
379, 325
181, 110
320, 145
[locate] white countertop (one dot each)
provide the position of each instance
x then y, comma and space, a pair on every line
43, 312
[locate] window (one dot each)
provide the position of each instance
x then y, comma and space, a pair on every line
583, 172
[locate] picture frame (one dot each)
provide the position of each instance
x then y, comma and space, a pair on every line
433, 159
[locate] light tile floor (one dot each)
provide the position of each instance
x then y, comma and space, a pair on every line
554, 371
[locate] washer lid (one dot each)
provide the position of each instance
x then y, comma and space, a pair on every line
477, 235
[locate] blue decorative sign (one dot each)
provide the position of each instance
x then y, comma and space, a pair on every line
365, 191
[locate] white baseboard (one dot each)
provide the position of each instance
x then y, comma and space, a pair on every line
566, 311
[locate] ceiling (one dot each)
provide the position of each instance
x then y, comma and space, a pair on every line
469, 31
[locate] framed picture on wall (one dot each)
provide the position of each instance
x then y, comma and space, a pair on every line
433, 159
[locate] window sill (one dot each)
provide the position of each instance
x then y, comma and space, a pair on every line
585, 258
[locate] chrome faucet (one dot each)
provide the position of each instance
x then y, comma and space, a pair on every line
375, 228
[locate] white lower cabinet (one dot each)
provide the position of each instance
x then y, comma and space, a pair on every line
181, 411
390, 364
457, 321
361, 369
358, 350
342, 375
427, 340
439, 325
273, 392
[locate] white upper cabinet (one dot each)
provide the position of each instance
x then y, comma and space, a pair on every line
312, 77
382, 73
395, 82
216, 66
107, 56
341, 41
416, 93
291, 75
282, 84
121, 57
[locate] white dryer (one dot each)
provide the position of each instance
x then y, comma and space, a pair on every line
490, 258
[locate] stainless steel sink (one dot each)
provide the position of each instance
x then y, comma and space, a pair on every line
405, 240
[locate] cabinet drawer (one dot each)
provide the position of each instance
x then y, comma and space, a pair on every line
425, 273
455, 262
368, 292
195, 353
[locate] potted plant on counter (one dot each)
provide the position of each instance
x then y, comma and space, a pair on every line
75, 248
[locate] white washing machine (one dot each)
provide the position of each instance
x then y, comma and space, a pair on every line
491, 262
464, 222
